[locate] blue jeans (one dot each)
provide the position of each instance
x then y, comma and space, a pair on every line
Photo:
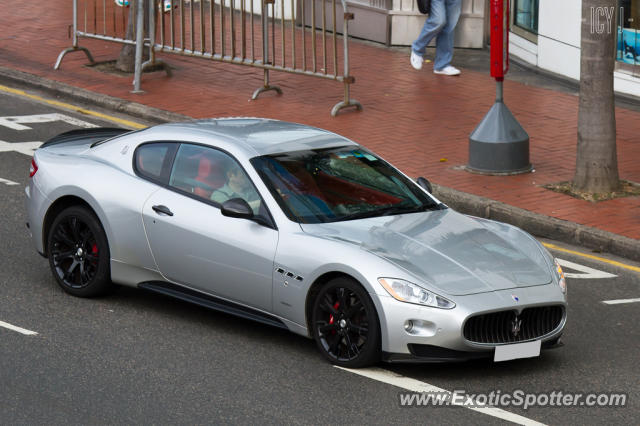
441, 23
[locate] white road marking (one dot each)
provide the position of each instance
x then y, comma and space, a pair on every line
26, 148
8, 182
18, 329
414, 385
621, 301
585, 271
17, 122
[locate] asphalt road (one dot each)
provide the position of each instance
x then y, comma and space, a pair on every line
137, 357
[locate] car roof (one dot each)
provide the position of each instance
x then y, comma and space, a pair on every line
255, 136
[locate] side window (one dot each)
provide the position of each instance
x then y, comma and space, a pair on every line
150, 159
212, 175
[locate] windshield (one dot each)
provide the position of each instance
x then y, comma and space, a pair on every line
336, 184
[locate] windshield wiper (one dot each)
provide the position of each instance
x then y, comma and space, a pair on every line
426, 207
391, 210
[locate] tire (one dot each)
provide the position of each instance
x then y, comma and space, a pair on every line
345, 324
78, 253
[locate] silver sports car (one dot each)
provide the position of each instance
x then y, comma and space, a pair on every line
295, 227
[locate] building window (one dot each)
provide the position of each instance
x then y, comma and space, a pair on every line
628, 43
526, 15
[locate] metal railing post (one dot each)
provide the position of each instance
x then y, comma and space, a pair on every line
75, 24
346, 79
265, 53
265, 34
152, 30
74, 43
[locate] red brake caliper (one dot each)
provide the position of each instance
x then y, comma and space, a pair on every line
94, 249
331, 316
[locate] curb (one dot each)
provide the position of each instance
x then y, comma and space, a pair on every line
534, 223
63, 90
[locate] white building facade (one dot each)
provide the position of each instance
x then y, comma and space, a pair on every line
544, 33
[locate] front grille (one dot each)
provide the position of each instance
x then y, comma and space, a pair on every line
509, 327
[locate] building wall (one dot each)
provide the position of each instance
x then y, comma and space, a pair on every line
557, 48
406, 23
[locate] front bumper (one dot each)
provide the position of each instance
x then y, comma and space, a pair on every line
437, 334
435, 354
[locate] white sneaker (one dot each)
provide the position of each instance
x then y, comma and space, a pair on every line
416, 60
448, 70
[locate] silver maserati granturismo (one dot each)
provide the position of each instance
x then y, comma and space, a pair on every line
295, 227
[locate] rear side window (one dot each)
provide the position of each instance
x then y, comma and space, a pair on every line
152, 159
212, 175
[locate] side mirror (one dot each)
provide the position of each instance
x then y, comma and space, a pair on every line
425, 184
237, 207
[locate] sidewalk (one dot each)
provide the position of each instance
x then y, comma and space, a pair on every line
417, 120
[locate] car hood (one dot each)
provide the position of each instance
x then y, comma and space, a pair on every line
447, 251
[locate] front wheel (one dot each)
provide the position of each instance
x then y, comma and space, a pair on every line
79, 253
345, 324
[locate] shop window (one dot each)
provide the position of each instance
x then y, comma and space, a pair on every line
628, 34
525, 15
524, 19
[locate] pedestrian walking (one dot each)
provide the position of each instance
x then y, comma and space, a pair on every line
441, 23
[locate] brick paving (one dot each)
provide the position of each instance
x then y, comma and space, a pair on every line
415, 119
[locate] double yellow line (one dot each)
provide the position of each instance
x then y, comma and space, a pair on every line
64, 105
590, 256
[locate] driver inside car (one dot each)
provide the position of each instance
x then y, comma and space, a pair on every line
238, 185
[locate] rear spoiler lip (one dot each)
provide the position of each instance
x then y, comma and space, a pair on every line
79, 134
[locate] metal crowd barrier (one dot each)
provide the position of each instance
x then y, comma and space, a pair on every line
104, 20
274, 35
98, 19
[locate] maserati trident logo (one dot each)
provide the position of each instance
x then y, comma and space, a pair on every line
515, 326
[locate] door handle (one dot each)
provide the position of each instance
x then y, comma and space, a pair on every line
162, 209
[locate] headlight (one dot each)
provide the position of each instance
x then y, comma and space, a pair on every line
405, 291
560, 274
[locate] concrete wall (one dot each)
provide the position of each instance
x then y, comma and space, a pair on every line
398, 22
407, 21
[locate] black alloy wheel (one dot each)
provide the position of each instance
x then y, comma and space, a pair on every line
78, 253
345, 324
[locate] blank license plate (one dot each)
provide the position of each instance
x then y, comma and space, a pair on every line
517, 350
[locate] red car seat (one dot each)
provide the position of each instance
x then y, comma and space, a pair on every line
210, 174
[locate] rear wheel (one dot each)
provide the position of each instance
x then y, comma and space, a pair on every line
79, 253
345, 324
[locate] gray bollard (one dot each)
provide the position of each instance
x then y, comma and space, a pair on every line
499, 145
